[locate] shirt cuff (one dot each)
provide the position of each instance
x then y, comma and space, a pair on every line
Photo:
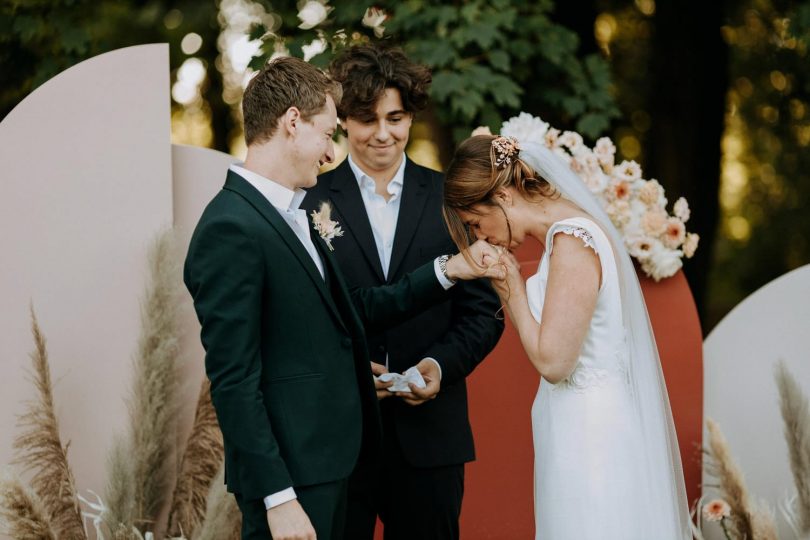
438, 365
278, 498
446, 283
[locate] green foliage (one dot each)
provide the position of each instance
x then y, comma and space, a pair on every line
41, 38
490, 58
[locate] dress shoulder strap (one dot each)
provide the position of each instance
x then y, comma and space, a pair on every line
592, 236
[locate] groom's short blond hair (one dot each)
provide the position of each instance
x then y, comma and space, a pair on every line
283, 83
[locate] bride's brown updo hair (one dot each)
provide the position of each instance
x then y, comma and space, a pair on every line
473, 178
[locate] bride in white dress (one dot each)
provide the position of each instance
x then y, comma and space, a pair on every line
607, 465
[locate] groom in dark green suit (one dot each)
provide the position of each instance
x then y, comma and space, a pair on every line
284, 336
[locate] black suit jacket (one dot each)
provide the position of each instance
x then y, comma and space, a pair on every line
458, 333
285, 349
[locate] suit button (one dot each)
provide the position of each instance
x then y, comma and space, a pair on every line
381, 348
346, 342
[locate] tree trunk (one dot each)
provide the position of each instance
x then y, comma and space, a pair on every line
689, 83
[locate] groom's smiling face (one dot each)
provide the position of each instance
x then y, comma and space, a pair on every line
312, 145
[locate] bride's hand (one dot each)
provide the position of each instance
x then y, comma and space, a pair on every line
474, 266
512, 282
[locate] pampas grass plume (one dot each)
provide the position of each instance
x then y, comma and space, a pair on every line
201, 462
22, 515
222, 521
747, 520
796, 417
141, 470
39, 449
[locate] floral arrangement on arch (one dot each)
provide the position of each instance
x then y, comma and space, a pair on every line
637, 207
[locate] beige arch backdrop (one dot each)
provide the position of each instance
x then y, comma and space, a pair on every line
740, 392
89, 179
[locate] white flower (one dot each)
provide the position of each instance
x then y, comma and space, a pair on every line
628, 170
571, 140
312, 14
374, 18
595, 180
690, 245
716, 510
525, 128
322, 222
481, 130
681, 209
662, 262
654, 222
639, 246
605, 151
619, 212
652, 194
316, 47
551, 137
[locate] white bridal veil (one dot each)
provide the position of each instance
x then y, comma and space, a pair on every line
663, 503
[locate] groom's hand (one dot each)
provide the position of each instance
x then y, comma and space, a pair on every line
288, 521
429, 370
381, 387
477, 263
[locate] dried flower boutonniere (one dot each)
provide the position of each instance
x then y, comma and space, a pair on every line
323, 223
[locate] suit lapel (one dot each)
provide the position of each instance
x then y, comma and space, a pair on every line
345, 194
239, 185
415, 190
336, 279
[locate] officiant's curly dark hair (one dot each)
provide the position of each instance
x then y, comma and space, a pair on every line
366, 71
283, 83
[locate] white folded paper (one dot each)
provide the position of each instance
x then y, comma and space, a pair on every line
411, 375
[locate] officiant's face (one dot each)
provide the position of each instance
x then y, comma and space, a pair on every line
313, 146
377, 142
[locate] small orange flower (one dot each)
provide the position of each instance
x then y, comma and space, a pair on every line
716, 510
621, 190
675, 233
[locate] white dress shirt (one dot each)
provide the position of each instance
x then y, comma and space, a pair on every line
383, 216
288, 203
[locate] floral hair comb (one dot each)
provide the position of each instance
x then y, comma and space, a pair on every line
506, 148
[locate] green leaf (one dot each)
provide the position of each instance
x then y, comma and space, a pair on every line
592, 124
573, 105
499, 59
446, 83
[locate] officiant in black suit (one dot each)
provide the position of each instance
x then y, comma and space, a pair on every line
390, 209
284, 337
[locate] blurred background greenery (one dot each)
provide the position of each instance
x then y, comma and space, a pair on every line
711, 98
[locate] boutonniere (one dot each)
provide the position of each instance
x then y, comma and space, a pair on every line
323, 223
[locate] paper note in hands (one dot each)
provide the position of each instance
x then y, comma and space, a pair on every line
411, 375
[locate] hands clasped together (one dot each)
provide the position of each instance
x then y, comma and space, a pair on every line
483, 260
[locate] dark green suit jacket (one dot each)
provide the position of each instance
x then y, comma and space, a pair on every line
285, 349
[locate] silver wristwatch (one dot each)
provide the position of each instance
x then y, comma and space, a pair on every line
443, 267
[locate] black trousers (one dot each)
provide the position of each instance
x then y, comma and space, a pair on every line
325, 504
412, 502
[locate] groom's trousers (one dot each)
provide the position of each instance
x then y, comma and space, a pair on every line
412, 502
325, 504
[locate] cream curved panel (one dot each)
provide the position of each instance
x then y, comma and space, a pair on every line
86, 186
740, 393
198, 174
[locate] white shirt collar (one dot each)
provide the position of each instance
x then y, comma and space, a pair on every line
278, 195
394, 186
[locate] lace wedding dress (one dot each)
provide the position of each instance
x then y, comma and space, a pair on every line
587, 438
